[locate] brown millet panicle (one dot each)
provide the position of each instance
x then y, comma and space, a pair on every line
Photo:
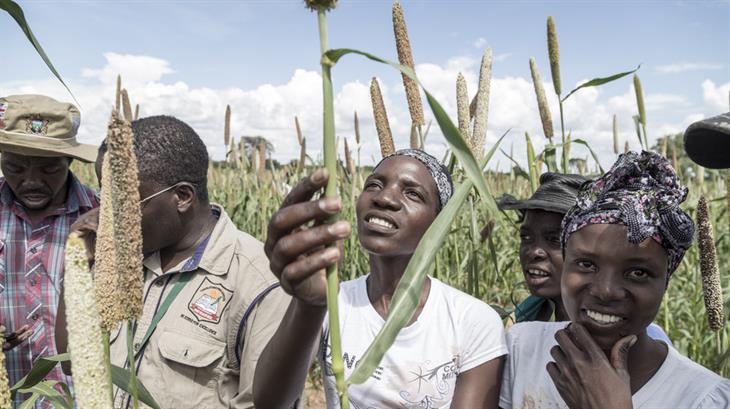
462, 110
85, 341
405, 57
479, 134
554, 54
348, 159
381, 120
711, 286
615, 135
106, 279
626, 147
542, 104
127, 216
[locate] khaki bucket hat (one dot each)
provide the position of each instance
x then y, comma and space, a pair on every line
36, 125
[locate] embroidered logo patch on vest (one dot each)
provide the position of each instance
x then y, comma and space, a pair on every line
209, 301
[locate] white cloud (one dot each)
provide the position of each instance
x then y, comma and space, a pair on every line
480, 42
269, 109
717, 97
501, 57
684, 67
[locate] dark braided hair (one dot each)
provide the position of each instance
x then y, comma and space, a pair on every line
169, 151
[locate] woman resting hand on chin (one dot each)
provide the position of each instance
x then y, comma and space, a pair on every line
622, 241
452, 351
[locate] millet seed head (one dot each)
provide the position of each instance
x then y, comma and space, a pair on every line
711, 286
127, 215
554, 54
542, 104
405, 57
92, 388
381, 120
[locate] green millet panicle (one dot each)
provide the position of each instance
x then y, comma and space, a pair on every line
315, 5
302, 155
711, 286
640, 99
348, 160
554, 54
126, 106
542, 104
415, 144
106, 280
227, 127
405, 57
381, 120
462, 110
127, 215
357, 130
118, 95
479, 134
91, 379
300, 137
615, 135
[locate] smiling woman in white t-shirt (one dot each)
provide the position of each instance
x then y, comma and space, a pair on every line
451, 352
622, 241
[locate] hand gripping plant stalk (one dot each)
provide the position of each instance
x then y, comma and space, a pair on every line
330, 161
92, 382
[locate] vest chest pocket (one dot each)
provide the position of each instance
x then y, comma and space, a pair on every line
190, 368
191, 351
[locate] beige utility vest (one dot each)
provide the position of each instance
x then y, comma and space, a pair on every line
190, 359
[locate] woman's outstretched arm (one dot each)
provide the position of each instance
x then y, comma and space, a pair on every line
298, 252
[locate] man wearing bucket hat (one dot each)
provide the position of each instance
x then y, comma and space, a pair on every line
39, 200
707, 142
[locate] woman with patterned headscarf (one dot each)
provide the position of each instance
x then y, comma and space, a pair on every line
451, 352
622, 241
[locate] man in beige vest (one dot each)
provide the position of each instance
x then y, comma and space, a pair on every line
203, 349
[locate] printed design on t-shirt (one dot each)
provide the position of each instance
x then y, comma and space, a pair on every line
431, 386
209, 301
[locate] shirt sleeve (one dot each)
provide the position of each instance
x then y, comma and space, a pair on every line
505, 394
484, 336
262, 324
719, 398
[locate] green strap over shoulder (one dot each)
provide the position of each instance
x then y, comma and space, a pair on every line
181, 281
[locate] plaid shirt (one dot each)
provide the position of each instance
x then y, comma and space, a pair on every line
31, 273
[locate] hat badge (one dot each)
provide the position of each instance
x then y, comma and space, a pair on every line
36, 125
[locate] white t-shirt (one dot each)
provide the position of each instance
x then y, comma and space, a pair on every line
453, 334
679, 382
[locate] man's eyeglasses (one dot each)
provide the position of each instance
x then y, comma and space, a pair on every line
152, 196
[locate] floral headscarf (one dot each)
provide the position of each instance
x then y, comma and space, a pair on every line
642, 192
438, 171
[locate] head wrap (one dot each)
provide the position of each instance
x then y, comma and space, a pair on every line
642, 192
439, 172
556, 193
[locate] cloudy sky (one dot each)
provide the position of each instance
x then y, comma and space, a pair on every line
191, 58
